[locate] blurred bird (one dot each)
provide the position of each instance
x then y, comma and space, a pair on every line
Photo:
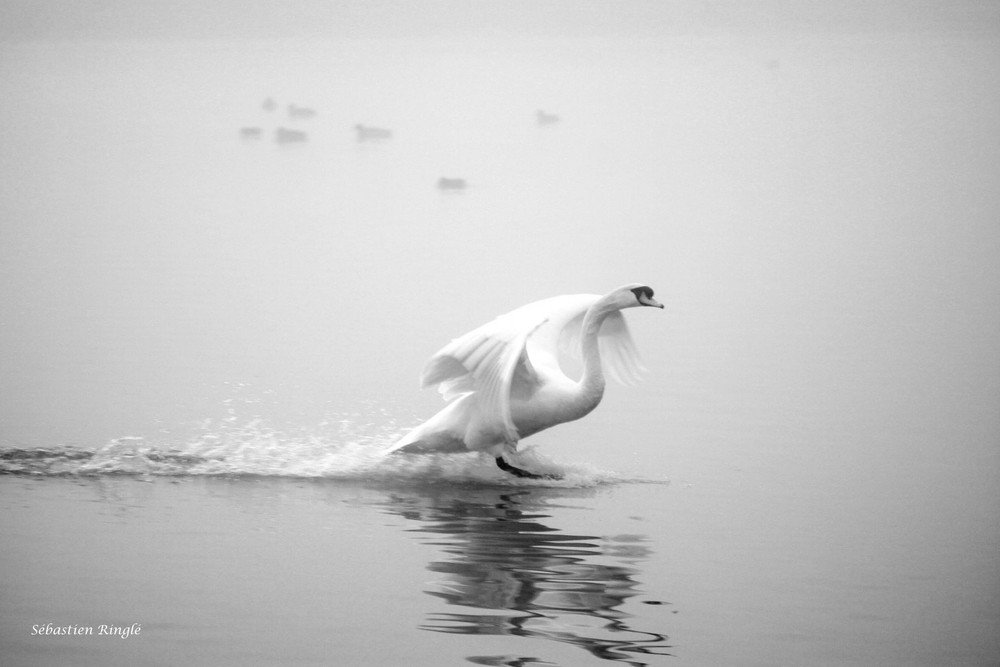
445, 183
545, 118
300, 112
369, 133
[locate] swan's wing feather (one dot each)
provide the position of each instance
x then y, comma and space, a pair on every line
494, 358
569, 336
543, 321
493, 380
470, 355
619, 354
485, 361
441, 368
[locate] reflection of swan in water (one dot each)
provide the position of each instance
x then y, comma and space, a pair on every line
556, 586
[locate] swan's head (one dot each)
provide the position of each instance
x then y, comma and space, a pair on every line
634, 295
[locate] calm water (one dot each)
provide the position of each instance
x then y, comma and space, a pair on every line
210, 336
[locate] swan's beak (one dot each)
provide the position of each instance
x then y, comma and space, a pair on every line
649, 301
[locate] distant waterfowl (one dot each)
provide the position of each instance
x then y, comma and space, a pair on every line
283, 135
545, 118
300, 112
503, 380
369, 133
251, 132
451, 183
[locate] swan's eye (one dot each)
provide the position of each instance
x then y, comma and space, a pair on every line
642, 292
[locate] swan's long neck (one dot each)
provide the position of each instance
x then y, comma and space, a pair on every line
591, 385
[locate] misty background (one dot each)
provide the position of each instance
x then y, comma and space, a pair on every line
809, 187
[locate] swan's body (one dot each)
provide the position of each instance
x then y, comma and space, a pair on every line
503, 380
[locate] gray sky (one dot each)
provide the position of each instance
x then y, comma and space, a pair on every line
265, 19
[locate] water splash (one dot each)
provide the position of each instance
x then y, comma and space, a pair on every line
347, 447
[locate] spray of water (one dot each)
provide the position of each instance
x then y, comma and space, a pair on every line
340, 447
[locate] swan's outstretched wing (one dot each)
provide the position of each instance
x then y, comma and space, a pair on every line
494, 358
619, 355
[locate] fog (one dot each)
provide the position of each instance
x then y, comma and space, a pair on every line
437, 19
810, 188
190, 256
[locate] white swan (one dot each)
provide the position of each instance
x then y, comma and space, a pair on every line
503, 380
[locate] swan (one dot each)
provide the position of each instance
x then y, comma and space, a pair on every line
503, 381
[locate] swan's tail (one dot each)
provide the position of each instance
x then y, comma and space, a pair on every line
437, 434
411, 439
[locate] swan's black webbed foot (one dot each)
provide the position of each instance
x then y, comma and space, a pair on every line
506, 467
